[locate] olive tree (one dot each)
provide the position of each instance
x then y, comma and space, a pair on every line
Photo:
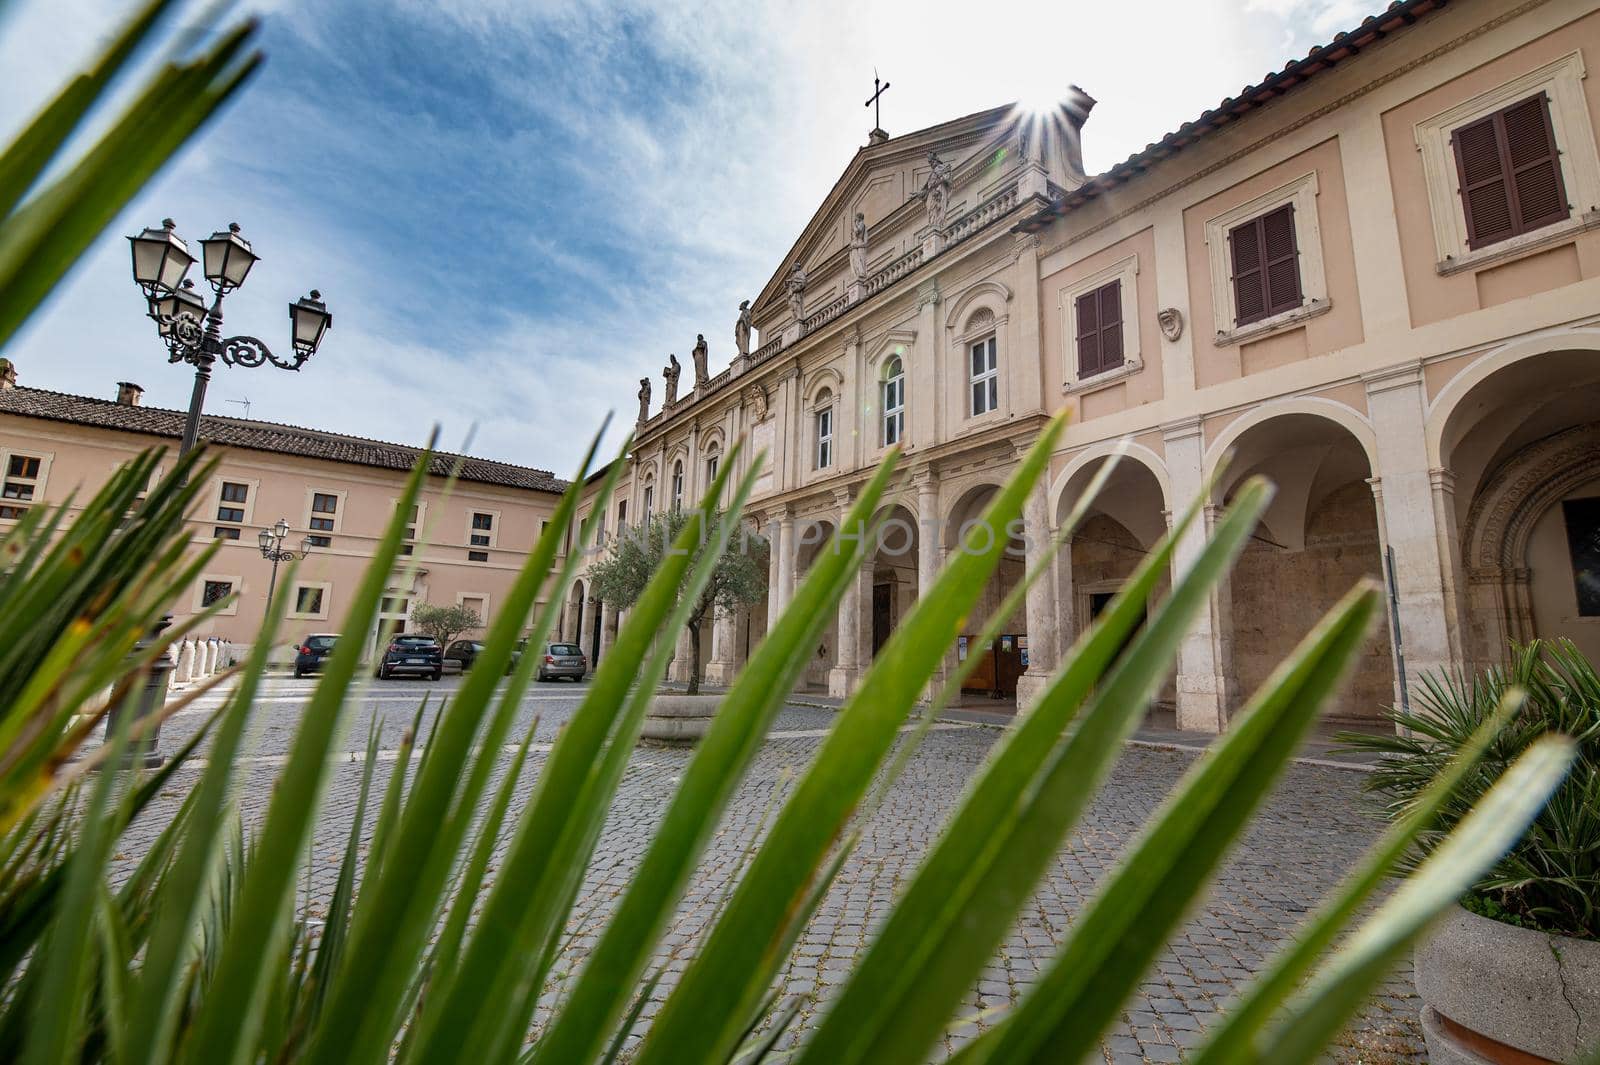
444, 623
739, 578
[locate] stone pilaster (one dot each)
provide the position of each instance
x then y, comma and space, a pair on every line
930, 554
1397, 407
1041, 600
1206, 682
724, 664
853, 606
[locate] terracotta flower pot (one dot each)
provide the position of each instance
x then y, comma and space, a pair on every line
1493, 992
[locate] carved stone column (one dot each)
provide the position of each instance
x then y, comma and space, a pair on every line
724, 664
784, 551
846, 669
930, 553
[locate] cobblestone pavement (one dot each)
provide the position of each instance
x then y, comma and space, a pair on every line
1311, 831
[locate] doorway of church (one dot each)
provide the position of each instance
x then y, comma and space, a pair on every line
594, 636
999, 664
882, 615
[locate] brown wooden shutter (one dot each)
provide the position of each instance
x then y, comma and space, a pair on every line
1088, 334
1510, 172
1282, 258
1249, 279
1535, 165
1110, 325
1485, 195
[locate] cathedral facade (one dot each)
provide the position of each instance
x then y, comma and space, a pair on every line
1373, 277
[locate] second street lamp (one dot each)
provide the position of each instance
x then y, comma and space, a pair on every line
192, 331
271, 541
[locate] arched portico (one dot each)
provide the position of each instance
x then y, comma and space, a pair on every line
1518, 438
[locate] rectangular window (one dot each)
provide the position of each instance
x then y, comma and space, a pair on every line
214, 592
1509, 172
19, 486
477, 556
320, 541
1583, 543
824, 438
1099, 315
231, 506
323, 507
894, 410
308, 600
226, 532
1266, 266
406, 549
985, 376
622, 515
482, 527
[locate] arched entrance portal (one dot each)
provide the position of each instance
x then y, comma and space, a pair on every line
1318, 538
1521, 451
1002, 660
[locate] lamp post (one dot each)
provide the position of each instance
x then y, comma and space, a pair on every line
272, 548
193, 331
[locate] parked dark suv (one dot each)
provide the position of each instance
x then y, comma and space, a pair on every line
308, 657
417, 655
465, 652
563, 660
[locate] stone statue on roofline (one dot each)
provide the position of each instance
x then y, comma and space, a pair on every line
671, 372
702, 360
741, 329
797, 292
936, 191
858, 247
644, 400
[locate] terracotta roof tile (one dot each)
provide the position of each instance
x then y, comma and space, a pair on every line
265, 436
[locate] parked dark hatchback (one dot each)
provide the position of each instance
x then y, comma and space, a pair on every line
465, 652
563, 660
313, 649
418, 655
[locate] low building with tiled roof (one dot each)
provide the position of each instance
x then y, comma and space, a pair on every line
336, 492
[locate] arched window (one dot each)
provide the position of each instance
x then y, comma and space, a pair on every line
984, 375
712, 461
894, 401
824, 429
677, 485
649, 499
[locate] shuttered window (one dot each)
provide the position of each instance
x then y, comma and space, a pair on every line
1510, 172
1266, 266
1100, 330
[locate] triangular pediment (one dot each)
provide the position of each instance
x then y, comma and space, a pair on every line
883, 182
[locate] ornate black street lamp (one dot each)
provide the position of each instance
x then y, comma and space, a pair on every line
272, 548
192, 331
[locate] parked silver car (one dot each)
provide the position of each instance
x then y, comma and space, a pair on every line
563, 660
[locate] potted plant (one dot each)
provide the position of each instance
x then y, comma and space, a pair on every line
1513, 973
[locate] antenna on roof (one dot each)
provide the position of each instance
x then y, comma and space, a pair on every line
245, 403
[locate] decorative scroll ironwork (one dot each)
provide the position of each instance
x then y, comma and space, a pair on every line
248, 351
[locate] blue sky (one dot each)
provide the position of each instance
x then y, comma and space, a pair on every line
516, 208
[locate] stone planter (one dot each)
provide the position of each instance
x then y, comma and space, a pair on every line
1493, 992
678, 720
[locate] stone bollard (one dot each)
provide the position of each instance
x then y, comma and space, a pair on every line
185, 672
208, 658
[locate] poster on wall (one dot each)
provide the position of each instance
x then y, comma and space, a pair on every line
961, 649
1022, 648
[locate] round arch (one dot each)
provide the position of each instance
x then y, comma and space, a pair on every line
1444, 406
826, 377
1105, 450
991, 295
1340, 414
